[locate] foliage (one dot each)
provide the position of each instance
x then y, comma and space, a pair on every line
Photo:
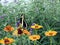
43, 12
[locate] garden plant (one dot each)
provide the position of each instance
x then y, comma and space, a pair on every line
32, 22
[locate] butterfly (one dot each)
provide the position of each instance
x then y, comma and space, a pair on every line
22, 22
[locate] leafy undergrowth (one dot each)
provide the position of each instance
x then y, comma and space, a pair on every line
44, 16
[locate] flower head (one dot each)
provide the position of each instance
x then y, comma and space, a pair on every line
26, 32
34, 37
7, 40
50, 33
18, 32
36, 26
8, 28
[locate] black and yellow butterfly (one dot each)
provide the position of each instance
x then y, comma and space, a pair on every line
22, 22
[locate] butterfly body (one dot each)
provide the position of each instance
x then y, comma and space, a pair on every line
21, 22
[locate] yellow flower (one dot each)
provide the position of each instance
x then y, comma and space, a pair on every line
26, 32
7, 41
18, 32
36, 26
50, 33
8, 28
15, 33
34, 37
1, 41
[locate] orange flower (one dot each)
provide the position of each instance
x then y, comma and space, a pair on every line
50, 33
8, 28
26, 32
34, 37
7, 41
36, 26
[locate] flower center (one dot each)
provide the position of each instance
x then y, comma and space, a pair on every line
50, 33
20, 31
8, 27
34, 37
36, 26
6, 41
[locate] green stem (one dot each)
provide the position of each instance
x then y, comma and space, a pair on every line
22, 40
34, 42
29, 42
9, 44
15, 21
8, 18
35, 31
50, 40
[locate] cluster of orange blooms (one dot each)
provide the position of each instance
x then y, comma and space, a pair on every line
19, 31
